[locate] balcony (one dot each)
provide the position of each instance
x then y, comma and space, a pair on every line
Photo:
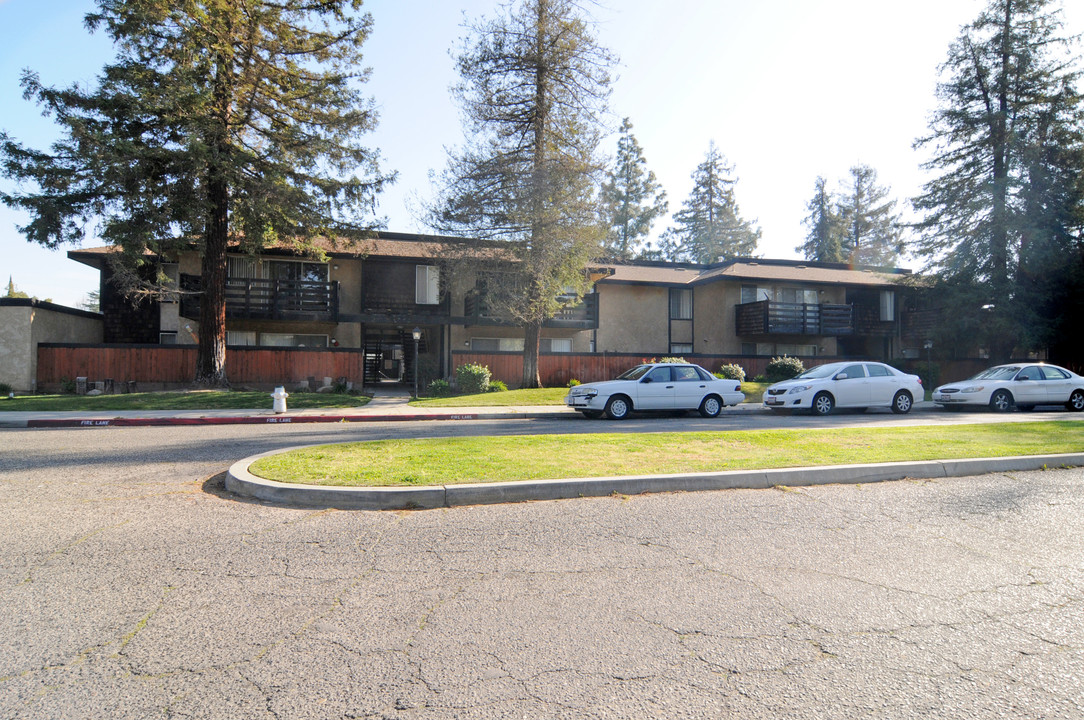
261, 299
580, 316
767, 317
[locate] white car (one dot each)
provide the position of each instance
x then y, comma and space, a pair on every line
846, 385
656, 386
1023, 385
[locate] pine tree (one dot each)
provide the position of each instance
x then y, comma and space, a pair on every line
1009, 85
534, 84
824, 243
218, 121
632, 198
871, 225
709, 227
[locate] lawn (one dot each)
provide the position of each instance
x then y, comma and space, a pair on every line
540, 396
192, 400
534, 457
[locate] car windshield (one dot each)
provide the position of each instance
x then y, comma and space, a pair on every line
821, 371
1006, 372
634, 373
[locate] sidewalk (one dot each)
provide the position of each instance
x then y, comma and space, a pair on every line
386, 406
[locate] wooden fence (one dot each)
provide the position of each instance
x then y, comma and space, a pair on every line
158, 366
166, 366
555, 370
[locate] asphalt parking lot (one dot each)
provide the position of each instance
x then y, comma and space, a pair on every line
133, 586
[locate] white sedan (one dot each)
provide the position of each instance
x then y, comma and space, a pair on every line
656, 386
846, 385
1021, 385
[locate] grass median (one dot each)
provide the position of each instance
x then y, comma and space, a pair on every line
413, 463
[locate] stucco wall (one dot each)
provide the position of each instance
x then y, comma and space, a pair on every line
26, 323
633, 319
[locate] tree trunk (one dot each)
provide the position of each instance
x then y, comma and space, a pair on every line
531, 335
211, 354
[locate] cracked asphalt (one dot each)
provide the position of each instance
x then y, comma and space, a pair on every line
133, 586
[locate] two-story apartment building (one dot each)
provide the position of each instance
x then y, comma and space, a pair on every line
751, 307
371, 295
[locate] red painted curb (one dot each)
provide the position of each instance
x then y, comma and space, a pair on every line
240, 420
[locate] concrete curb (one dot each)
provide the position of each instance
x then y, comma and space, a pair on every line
270, 420
240, 481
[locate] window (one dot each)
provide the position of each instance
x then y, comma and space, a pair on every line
680, 348
1053, 373
888, 306
292, 340
748, 348
659, 374
681, 304
854, 371
797, 296
496, 344
796, 350
241, 337
555, 345
685, 374
167, 338
428, 285
878, 371
752, 293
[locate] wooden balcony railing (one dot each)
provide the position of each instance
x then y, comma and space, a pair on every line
260, 299
582, 315
767, 317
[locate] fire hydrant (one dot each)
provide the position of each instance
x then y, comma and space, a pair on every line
280, 396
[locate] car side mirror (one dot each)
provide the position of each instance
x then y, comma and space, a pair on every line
646, 380
841, 376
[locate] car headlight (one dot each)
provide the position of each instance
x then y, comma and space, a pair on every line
972, 389
798, 389
580, 390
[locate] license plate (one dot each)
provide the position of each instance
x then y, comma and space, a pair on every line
773, 401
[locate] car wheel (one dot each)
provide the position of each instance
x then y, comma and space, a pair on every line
1076, 401
901, 404
823, 404
618, 407
1001, 401
711, 406
592, 414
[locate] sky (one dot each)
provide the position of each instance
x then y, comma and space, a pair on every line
787, 89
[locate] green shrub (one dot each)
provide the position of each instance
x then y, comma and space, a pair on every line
4, 388
573, 383
67, 386
674, 360
439, 388
497, 386
783, 368
732, 372
472, 378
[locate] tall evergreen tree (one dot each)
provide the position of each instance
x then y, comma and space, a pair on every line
824, 242
709, 225
1009, 83
871, 225
534, 84
632, 198
218, 121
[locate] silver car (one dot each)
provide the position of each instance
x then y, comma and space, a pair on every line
1022, 385
676, 387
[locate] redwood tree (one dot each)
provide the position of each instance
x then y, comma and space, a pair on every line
534, 84
218, 121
